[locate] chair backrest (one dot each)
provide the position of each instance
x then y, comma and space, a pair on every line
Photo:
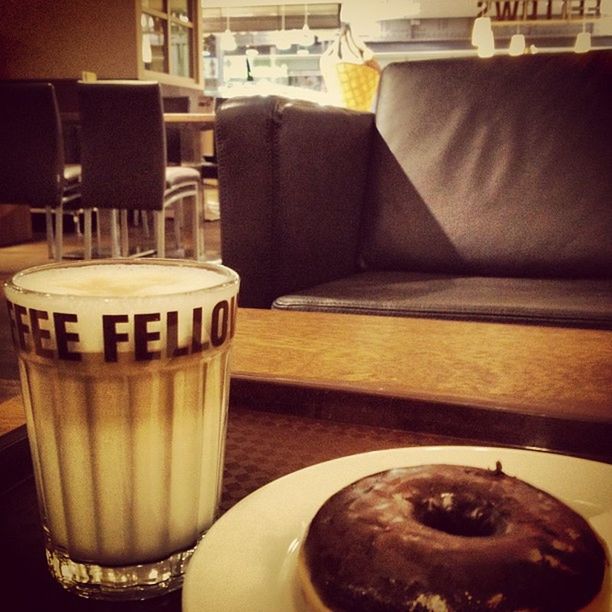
123, 144
494, 167
174, 104
31, 149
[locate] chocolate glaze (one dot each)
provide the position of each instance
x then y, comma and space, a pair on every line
473, 539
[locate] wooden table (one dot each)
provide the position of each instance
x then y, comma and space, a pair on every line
199, 120
533, 386
308, 387
527, 386
191, 126
558, 372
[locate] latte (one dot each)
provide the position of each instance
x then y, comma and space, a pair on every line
125, 370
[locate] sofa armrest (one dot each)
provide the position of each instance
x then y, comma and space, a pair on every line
292, 179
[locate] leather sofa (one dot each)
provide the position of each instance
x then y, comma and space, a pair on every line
477, 190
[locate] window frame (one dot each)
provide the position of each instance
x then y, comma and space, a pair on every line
196, 78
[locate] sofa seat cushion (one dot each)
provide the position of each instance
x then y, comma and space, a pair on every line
564, 302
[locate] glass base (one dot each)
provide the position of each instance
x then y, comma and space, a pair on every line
123, 583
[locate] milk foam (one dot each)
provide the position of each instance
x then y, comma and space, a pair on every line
170, 294
120, 280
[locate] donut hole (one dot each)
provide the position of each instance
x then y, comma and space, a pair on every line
459, 515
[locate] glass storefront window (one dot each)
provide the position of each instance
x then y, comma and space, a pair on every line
181, 50
154, 43
181, 9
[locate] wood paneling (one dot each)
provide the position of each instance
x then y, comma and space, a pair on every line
39, 40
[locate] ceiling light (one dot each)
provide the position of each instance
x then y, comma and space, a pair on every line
227, 40
482, 33
283, 39
306, 38
517, 45
482, 37
487, 50
583, 42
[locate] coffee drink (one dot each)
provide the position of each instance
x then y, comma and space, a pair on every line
124, 369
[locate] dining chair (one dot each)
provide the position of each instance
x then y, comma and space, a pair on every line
174, 104
209, 171
32, 168
124, 163
210, 168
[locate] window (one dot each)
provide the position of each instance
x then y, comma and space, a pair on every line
169, 37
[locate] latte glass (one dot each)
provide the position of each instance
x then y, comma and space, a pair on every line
124, 368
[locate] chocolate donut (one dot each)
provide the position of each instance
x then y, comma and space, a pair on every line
446, 537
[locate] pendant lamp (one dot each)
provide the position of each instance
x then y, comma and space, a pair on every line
517, 45
282, 38
482, 37
227, 39
307, 38
583, 42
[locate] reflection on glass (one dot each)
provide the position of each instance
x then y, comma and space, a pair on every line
146, 27
180, 9
157, 5
181, 45
153, 43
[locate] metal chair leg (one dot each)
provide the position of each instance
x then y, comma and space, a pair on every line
115, 251
124, 233
87, 233
59, 232
145, 223
49, 231
198, 227
160, 234
76, 220
178, 224
98, 231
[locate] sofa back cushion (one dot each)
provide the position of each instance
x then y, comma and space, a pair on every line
493, 167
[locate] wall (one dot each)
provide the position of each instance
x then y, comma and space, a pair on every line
15, 224
60, 39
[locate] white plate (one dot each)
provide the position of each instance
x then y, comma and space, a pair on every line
246, 562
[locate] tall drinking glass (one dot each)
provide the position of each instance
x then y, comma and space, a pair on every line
124, 368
